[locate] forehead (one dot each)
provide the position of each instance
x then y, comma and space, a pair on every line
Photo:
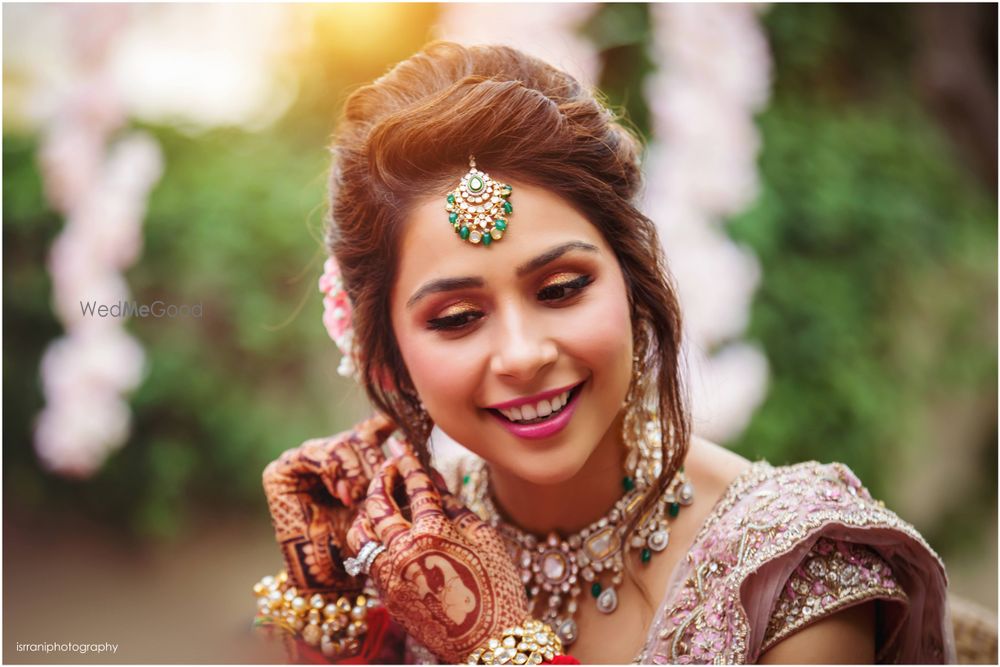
431, 249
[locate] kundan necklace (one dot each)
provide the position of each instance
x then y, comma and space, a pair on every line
559, 569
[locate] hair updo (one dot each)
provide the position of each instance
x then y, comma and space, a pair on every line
411, 132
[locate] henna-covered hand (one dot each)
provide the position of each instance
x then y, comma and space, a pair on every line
313, 491
445, 575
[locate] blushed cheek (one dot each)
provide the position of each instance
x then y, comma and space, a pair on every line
419, 362
443, 377
602, 337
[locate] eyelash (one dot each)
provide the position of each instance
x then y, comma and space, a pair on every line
454, 322
554, 292
558, 289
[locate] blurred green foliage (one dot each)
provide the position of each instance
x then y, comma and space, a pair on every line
877, 306
877, 309
621, 34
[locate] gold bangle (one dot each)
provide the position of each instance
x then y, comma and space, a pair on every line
527, 644
336, 627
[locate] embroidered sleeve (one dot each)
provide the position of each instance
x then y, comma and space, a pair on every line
833, 576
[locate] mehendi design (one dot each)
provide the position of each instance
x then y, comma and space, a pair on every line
311, 492
386, 516
445, 576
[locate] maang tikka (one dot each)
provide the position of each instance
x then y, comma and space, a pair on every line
478, 208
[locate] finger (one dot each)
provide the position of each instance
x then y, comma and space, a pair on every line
467, 521
285, 480
353, 456
346, 475
370, 434
374, 570
379, 426
367, 532
464, 519
452, 506
345, 463
293, 470
336, 463
316, 462
425, 501
360, 533
386, 516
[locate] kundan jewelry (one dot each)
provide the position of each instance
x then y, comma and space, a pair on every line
337, 627
559, 569
641, 427
529, 643
478, 208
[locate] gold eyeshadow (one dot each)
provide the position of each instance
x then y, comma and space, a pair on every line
456, 309
560, 278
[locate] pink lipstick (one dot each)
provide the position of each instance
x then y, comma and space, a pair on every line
532, 399
542, 429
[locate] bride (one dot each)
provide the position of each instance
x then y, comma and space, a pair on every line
492, 276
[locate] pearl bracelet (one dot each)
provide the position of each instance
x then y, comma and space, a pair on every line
336, 627
529, 643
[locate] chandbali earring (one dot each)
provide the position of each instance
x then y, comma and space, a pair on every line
642, 431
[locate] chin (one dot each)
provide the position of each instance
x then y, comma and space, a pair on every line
552, 467
546, 477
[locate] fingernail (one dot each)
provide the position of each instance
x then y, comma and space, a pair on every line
343, 492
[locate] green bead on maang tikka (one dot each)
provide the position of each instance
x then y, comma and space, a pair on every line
478, 208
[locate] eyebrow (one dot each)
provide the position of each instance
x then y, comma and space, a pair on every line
552, 255
450, 284
443, 285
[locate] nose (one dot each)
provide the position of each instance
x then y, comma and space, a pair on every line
524, 347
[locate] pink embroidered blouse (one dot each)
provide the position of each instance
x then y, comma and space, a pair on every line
786, 546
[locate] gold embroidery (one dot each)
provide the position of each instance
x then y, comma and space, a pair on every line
829, 579
707, 622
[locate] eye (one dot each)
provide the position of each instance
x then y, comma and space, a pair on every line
454, 322
564, 289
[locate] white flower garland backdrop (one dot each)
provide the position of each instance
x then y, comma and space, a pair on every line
88, 70
713, 77
100, 183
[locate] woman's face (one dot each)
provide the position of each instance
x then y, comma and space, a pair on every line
522, 350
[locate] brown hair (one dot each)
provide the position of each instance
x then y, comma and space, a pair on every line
412, 131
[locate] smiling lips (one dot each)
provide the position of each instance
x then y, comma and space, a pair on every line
542, 408
540, 416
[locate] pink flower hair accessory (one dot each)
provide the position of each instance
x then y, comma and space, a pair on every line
337, 317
